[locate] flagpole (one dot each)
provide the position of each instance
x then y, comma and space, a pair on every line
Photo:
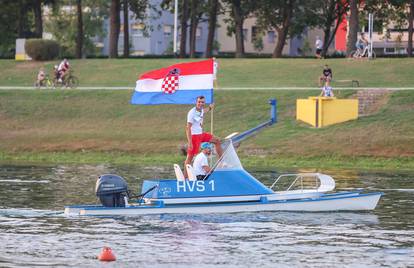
175, 26
215, 85
212, 120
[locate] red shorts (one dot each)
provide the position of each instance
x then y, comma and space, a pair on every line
196, 141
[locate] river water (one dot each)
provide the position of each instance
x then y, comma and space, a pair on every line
35, 233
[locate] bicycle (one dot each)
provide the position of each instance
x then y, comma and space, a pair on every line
69, 81
361, 53
47, 83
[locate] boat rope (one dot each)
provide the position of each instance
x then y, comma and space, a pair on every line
140, 197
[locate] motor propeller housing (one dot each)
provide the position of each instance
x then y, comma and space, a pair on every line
112, 190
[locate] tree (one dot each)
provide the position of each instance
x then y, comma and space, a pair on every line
410, 29
332, 17
239, 10
183, 23
126, 28
37, 8
79, 35
114, 28
237, 14
8, 27
213, 7
196, 12
397, 12
353, 26
288, 17
63, 24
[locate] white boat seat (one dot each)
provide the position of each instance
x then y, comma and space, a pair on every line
178, 173
327, 183
191, 173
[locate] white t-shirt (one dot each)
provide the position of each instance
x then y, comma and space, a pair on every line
318, 44
199, 162
327, 91
63, 66
196, 119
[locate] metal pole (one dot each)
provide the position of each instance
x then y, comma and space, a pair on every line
175, 25
370, 29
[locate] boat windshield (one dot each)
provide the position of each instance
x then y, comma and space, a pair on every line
229, 160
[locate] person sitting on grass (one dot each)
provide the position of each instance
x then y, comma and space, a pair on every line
200, 165
327, 90
326, 75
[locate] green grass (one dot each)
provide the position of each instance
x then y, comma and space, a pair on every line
383, 72
95, 126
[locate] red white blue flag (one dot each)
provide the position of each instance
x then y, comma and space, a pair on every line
177, 84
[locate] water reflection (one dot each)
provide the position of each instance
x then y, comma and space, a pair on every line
37, 233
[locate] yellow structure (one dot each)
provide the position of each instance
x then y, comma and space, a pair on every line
324, 111
20, 50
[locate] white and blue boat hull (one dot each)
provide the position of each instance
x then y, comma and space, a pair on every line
346, 201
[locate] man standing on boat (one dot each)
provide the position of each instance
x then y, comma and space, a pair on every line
194, 131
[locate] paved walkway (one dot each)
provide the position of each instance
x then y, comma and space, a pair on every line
228, 88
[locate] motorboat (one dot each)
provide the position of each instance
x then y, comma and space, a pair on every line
228, 188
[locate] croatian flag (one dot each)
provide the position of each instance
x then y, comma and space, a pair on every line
177, 84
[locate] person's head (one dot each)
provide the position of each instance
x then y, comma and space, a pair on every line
200, 102
362, 34
326, 66
65, 60
206, 148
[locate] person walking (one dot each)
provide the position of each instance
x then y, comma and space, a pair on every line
318, 46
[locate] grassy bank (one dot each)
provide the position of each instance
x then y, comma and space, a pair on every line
75, 126
232, 72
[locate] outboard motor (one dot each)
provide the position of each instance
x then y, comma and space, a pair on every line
112, 190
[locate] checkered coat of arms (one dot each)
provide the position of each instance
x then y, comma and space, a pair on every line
170, 83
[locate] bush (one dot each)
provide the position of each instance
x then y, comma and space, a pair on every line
40, 49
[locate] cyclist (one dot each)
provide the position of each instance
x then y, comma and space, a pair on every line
41, 76
63, 69
361, 44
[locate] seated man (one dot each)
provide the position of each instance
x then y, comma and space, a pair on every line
200, 165
327, 90
326, 75
41, 77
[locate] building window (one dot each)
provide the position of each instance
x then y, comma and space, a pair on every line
245, 33
167, 30
138, 29
254, 33
271, 37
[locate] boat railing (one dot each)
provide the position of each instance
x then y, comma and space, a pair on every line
297, 177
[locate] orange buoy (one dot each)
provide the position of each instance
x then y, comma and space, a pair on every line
106, 255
